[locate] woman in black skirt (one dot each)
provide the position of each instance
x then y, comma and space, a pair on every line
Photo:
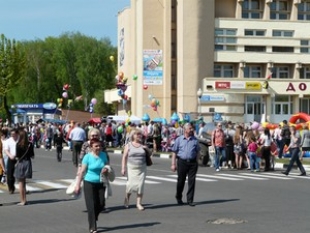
23, 168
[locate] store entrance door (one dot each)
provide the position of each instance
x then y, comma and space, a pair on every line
254, 108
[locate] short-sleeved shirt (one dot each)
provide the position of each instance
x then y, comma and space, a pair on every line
10, 145
186, 148
94, 166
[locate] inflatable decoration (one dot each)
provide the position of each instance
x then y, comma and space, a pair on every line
301, 118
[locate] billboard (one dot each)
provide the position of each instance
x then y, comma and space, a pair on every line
152, 67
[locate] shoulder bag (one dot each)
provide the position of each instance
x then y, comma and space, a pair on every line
149, 161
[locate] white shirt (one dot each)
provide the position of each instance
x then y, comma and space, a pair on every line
10, 146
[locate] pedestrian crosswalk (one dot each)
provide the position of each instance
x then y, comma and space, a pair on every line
36, 185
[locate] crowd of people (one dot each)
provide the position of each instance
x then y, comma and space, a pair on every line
236, 146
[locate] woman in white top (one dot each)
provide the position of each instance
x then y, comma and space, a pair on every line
265, 141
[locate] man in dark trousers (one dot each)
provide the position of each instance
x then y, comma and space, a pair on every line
185, 158
77, 137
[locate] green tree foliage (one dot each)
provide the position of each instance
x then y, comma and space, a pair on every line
12, 64
75, 59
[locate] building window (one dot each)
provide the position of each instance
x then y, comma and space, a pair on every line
279, 9
281, 33
304, 46
225, 39
304, 105
282, 105
304, 10
251, 9
249, 32
304, 73
281, 72
254, 48
223, 71
252, 72
277, 49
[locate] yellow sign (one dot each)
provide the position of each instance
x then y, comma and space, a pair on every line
253, 85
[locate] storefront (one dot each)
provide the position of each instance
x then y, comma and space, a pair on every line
248, 101
22, 113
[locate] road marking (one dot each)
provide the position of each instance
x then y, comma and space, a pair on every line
245, 177
218, 177
51, 184
146, 181
294, 175
29, 188
262, 175
197, 178
69, 181
162, 178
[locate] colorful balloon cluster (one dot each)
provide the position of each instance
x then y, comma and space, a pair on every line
93, 102
154, 102
121, 86
64, 95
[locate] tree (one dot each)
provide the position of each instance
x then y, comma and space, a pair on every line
12, 63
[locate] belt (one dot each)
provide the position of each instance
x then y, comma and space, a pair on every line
188, 160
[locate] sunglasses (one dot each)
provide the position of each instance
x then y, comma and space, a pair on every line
94, 135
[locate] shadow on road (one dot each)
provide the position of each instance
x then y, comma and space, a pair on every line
149, 224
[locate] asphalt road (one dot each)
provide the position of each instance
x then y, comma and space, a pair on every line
228, 201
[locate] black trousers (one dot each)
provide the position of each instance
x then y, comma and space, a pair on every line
189, 170
76, 150
266, 156
95, 201
10, 174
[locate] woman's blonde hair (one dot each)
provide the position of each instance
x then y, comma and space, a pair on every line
93, 130
133, 132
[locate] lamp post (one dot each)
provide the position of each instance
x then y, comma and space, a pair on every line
199, 95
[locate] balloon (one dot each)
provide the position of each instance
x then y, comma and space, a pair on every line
264, 124
173, 122
255, 125
129, 113
135, 77
66, 87
153, 104
58, 100
117, 78
120, 129
146, 117
125, 80
157, 102
65, 95
120, 92
155, 108
93, 101
150, 97
125, 97
111, 58
145, 87
153, 101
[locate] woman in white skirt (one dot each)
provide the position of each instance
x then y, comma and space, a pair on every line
134, 165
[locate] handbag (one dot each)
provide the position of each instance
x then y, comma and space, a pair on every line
71, 189
148, 159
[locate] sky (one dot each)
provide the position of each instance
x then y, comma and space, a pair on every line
38, 19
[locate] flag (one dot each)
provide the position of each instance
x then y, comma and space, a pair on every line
269, 76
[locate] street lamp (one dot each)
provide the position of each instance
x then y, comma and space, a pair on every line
199, 95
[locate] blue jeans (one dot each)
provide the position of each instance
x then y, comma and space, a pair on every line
253, 161
218, 152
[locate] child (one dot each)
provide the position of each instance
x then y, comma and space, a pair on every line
252, 148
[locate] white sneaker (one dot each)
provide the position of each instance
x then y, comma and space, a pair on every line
217, 170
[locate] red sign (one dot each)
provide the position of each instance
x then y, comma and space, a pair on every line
222, 85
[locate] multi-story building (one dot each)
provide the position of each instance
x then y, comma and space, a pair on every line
249, 58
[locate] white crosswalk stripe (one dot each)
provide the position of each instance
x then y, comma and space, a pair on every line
244, 177
198, 178
40, 185
266, 176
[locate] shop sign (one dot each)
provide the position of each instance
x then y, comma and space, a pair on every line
211, 98
253, 85
237, 85
222, 85
49, 106
23, 106
299, 87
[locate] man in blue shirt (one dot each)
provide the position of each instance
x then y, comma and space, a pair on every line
77, 137
185, 161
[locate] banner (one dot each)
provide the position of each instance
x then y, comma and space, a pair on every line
152, 67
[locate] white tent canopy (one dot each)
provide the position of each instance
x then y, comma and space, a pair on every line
133, 119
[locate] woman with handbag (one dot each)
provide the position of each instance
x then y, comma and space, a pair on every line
23, 166
93, 166
134, 164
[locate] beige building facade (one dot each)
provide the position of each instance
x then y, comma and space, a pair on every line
250, 58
